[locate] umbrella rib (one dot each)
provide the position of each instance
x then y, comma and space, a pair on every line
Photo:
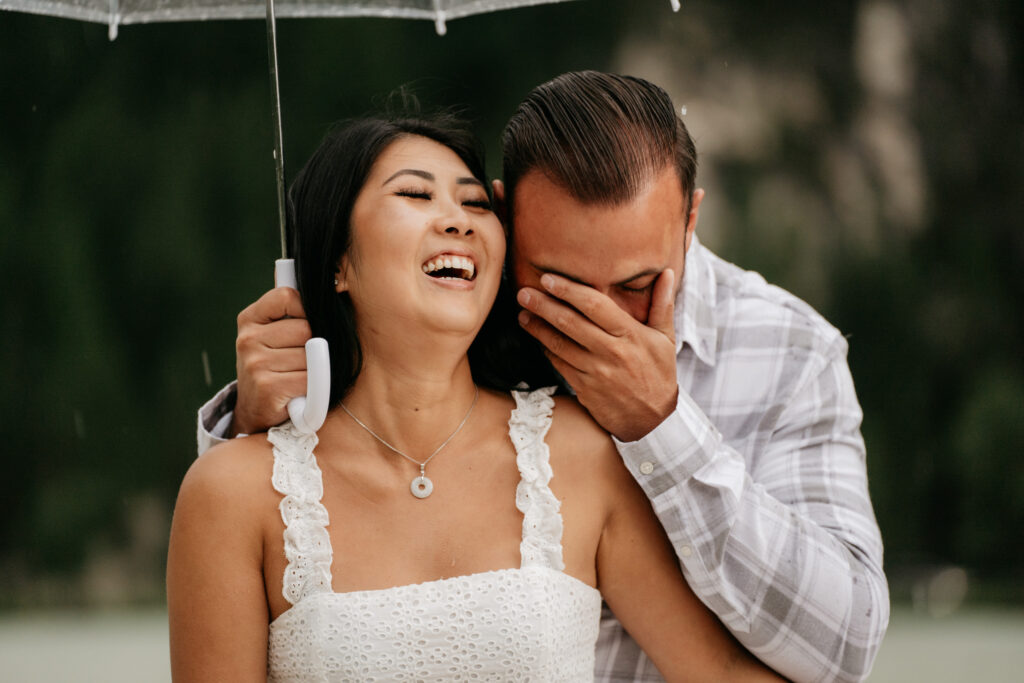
275, 89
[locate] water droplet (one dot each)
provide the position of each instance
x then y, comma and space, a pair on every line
79, 424
206, 368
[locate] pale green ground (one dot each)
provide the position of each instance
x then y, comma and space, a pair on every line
972, 646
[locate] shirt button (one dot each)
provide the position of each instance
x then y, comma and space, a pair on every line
686, 551
646, 467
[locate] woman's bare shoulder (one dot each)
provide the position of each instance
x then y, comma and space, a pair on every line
577, 440
569, 415
235, 472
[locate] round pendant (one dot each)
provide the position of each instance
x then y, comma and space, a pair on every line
421, 487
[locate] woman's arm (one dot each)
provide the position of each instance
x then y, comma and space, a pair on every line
639, 577
215, 594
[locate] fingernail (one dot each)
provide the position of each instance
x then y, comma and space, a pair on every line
548, 281
524, 318
523, 297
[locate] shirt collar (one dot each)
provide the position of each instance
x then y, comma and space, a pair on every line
695, 305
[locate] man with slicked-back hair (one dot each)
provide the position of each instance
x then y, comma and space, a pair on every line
730, 400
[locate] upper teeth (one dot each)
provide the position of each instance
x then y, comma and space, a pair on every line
451, 261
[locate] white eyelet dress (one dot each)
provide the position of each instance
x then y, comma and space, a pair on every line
532, 623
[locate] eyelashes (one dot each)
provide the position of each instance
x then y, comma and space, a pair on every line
638, 291
427, 196
413, 194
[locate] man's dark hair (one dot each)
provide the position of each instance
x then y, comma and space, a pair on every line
320, 203
600, 136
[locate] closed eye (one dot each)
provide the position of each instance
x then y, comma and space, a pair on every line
638, 291
414, 194
478, 203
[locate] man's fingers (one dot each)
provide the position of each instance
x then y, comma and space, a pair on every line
290, 384
594, 305
662, 312
278, 303
563, 318
263, 399
570, 374
283, 334
555, 342
281, 361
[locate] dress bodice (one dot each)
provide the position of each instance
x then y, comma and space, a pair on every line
534, 622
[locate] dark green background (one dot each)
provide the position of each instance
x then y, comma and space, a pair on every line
138, 216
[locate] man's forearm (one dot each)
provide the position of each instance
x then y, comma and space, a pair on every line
798, 582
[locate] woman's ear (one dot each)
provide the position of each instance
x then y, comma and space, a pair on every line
341, 276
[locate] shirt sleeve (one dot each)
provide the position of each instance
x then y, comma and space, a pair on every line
215, 417
786, 551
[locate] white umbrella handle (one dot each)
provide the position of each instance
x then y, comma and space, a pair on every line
308, 412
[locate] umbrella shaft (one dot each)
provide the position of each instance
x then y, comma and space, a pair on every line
275, 90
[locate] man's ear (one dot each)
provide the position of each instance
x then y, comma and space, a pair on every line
500, 207
691, 219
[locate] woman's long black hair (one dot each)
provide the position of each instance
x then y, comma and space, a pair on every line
320, 203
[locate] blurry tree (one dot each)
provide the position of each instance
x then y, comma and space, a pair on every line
867, 155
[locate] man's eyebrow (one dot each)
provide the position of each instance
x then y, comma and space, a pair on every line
637, 276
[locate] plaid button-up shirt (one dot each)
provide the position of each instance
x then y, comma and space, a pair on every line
759, 479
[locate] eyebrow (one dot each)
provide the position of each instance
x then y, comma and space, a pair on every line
468, 180
567, 276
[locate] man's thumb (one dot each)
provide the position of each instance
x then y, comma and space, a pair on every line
661, 315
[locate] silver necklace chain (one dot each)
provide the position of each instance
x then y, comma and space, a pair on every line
421, 486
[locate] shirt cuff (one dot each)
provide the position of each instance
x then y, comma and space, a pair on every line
214, 418
672, 452
220, 429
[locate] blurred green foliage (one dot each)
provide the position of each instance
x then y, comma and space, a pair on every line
137, 217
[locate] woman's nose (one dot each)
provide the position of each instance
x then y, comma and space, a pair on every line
455, 221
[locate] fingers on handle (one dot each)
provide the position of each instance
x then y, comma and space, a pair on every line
278, 303
290, 333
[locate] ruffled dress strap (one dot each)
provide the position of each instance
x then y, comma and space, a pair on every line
307, 545
542, 522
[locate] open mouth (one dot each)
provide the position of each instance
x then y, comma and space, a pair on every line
450, 267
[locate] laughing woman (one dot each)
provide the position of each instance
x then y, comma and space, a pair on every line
305, 558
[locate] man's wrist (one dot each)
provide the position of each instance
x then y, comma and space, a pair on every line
675, 449
638, 429
232, 431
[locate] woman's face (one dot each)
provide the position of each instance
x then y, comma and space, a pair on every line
426, 249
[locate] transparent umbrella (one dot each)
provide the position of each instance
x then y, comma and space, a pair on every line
307, 412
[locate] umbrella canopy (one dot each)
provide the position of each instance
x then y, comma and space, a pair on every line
117, 12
